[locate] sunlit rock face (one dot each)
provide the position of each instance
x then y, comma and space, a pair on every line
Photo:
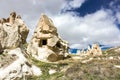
13, 32
15, 66
13, 63
46, 44
95, 50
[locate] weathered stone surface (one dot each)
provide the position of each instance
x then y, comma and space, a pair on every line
13, 63
12, 18
12, 33
46, 44
3, 20
95, 50
18, 67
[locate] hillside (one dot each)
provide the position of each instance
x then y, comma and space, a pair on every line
105, 67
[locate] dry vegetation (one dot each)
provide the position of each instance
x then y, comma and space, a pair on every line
105, 67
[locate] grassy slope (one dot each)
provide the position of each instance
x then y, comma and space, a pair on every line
99, 68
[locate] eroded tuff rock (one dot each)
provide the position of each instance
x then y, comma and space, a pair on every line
13, 63
95, 50
17, 67
46, 44
13, 32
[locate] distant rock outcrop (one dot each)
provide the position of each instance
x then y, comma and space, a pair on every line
94, 51
13, 32
46, 44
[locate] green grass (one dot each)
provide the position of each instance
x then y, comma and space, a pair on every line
45, 67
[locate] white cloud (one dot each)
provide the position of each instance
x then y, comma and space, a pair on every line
114, 5
49, 6
76, 3
118, 17
81, 31
71, 4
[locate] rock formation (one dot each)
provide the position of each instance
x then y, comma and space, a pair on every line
13, 32
18, 68
13, 63
46, 44
94, 51
12, 18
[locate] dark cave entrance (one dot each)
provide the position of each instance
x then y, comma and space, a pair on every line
44, 42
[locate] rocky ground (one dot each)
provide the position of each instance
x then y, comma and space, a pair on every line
6, 59
105, 67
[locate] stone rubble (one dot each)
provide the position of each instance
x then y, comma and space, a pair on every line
52, 71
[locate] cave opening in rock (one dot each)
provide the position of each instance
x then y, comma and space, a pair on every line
58, 45
44, 42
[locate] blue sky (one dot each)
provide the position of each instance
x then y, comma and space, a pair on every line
80, 22
91, 6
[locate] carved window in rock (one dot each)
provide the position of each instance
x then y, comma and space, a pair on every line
43, 42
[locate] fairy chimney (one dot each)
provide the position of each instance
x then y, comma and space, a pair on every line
46, 44
95, 50
13, 33
12, 17
18, 17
